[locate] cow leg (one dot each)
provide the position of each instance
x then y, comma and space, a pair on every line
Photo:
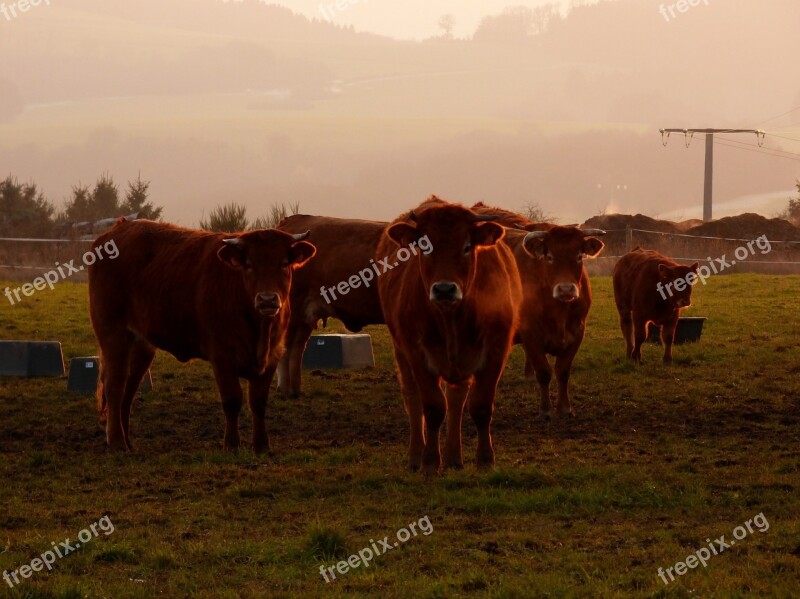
626, 324
115, 356
257, 395
481, 408
639, 335
456, 396
668, 337
563, 370
413, 406
536, 362
141, 356
230, 391
297, 349
290, 369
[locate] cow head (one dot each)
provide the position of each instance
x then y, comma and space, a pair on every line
456, 235
266, 259
675, 283
562, 251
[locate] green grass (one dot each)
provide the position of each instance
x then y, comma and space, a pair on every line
658, 460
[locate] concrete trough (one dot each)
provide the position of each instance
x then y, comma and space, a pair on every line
336, 352
31, 359
83, 373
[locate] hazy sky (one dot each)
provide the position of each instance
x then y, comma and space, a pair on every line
407, 18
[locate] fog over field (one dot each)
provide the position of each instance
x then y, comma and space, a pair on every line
365, 111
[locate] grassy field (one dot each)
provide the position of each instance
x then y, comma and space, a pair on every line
658, 460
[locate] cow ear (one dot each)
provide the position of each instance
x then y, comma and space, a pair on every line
695, 267
231, 256
403, 234
592, 246
487, 234
664, 272
300, 253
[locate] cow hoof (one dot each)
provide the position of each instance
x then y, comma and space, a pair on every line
545, 416
414, 466
261, 449
485, 466
118, 445
430, 470
454, 465
567, 414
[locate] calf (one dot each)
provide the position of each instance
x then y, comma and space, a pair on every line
452, 316
218, 297
556, 298
640, 278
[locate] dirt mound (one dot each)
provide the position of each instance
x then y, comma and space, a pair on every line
612, 222
748, 226
685, 225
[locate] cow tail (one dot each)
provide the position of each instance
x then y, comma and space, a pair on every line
102, 406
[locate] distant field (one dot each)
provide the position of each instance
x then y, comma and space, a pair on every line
658, 460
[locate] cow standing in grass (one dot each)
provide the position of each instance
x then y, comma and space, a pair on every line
345, 250
195, 294
556, 297
649, 287
452, 314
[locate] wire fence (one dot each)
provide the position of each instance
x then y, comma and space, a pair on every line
758, 254
23, 259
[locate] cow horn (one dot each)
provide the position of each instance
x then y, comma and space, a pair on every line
535, 235
593, 232
301, 236
482, 218
233, 241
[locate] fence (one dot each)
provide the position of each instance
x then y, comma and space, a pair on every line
25, 259
782, 257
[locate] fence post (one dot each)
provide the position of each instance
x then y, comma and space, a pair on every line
628, 238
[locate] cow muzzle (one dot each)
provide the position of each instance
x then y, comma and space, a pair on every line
268, 304
446, 293
566, 292
683, 303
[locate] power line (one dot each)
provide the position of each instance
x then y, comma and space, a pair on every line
761, 148
762, 152
780, 115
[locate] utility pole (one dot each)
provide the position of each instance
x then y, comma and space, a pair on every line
709, 176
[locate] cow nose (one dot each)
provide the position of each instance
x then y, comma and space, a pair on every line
446, 292
566, 292
268, 304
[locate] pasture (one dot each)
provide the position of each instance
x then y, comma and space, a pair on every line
658, 460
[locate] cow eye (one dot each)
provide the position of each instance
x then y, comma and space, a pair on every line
549, 258
580, 258
467, 248
285, 263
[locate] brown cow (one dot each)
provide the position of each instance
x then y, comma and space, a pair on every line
218, 297
452, 316
556, 293
640, 280
345, 253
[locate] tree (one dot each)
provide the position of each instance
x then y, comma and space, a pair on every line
277, 213
792, 212
446, 24
24, 211
227, 218
517, 24
533, 211
101, 202
136, 200
232, 218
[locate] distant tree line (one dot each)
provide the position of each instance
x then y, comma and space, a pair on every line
25, 212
